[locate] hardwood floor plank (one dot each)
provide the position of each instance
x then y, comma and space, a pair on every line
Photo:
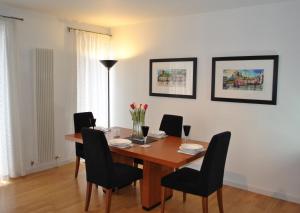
56, 190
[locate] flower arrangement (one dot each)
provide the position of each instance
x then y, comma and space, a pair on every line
137, 112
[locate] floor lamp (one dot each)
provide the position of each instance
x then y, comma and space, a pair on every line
108, 64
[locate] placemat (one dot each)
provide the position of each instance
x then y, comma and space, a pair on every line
141, 142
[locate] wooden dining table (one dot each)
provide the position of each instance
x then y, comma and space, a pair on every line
160, 159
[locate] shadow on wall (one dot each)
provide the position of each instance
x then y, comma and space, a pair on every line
279, 191
240, 181
236, 180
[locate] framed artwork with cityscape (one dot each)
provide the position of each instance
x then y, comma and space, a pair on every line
173, 77
245, 79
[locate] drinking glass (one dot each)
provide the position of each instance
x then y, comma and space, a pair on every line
93, 122
116, 132
145, 130
186, 129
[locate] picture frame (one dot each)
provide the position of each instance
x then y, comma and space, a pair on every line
173, 77
245, 79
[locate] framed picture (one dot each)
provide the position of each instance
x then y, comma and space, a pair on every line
173, 77
245, 79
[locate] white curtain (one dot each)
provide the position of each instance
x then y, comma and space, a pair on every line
91, 75
11, 162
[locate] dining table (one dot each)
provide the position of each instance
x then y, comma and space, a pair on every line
160, 159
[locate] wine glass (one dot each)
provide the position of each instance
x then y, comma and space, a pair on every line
145, 130
93, 122
186, 129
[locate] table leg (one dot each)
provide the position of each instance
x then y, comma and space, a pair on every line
152, 174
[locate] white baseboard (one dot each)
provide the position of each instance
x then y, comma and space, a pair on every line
278, 195
47, 165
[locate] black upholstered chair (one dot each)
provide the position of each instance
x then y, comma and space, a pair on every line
81, 120
172, 125
206, 181
100, 168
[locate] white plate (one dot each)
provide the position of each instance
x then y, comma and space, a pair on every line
119, 142
191, 146
157, 134
122, 146
191, 151
188, 153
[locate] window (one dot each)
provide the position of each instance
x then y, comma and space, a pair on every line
91, 75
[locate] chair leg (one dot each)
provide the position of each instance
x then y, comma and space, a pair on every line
205, 204
163, 191
183, 196
108, 193
136, 165
220, 200
88, 195
77, 166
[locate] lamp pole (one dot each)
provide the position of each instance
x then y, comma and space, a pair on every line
108, 64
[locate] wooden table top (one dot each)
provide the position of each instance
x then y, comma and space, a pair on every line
163, 151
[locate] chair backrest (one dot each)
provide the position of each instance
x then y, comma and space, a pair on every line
98, 159
212, 169
82, 119
172, 125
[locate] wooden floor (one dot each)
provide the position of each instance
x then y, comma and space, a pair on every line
57, 190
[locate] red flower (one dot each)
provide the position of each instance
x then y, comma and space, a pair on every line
145, 106
132, 106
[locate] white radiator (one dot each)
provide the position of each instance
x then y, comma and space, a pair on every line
44, 108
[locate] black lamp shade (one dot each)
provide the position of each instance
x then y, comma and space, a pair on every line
108, 63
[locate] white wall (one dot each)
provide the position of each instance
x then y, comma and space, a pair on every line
43, 31
264, 154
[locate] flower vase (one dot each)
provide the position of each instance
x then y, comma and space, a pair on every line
137, 113
137, 130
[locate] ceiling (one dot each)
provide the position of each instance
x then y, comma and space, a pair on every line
112, 13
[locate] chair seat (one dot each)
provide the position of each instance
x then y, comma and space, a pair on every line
125, 174
185, 180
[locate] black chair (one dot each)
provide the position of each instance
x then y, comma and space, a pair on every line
206, 181
172, 125
81, 120
100, 168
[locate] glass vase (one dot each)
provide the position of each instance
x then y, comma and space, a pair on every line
137, 130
